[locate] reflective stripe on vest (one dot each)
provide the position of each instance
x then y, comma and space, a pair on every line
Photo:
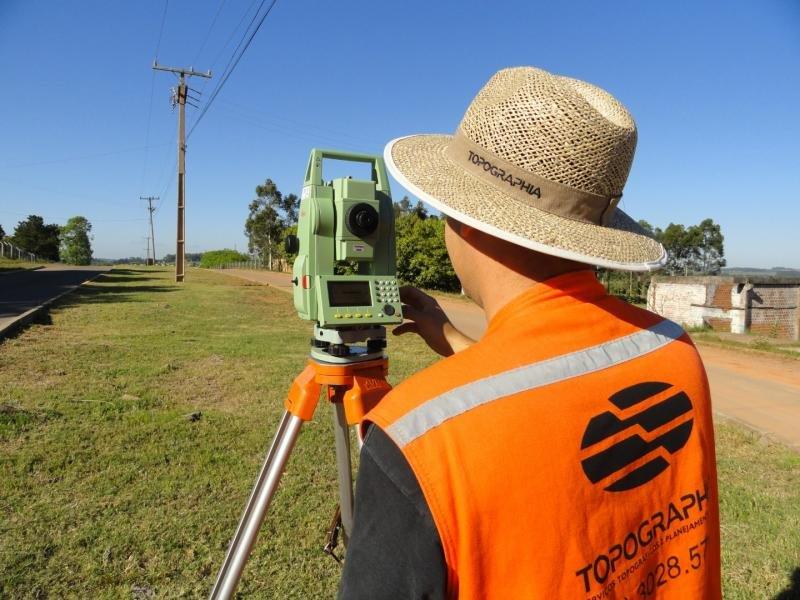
459, 400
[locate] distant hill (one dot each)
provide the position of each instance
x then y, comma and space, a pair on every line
773, 272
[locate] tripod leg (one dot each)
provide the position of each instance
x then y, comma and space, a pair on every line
256, 508
341, 434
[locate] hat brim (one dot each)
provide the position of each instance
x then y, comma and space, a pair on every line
420, 164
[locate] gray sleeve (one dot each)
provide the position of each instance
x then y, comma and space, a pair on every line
395, 551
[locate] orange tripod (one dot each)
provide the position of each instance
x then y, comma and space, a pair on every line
353, 388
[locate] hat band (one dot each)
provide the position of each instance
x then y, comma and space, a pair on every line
522, 185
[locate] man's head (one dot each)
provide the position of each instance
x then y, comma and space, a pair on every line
482, 261
539, 161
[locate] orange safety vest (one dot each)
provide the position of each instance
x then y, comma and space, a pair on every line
568, 454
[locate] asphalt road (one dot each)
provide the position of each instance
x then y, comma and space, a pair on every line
21, 291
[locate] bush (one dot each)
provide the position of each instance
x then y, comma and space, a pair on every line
218, 258
422, 258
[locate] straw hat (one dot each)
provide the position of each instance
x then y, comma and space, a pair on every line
539, 160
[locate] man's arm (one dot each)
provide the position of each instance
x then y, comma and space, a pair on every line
394, 551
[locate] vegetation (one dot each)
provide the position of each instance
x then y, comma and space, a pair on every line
34, 236
134, 418
422, 258
214, 259
75, 239
746, 342
191, 258
11, 264
694, 250
271, 214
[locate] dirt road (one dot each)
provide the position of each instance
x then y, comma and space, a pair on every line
759, 390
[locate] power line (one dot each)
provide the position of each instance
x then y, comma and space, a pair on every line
229, 40
152, 90
233, 63
161, 31
208, 33
79, 157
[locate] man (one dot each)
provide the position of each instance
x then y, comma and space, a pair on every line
569, 453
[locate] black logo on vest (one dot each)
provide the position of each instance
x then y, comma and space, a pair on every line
514, 182
610, 460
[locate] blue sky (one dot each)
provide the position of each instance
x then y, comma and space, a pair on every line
714, 88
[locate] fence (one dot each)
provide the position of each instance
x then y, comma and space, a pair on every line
278, 264
9, 250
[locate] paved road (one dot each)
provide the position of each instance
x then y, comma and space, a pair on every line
759, 390
21, 291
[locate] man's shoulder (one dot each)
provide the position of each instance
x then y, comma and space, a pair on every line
440, 377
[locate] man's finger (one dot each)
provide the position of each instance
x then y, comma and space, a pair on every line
415, 297
405, 328
411, 313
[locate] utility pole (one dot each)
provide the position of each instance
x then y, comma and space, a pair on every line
179, 98
151, 210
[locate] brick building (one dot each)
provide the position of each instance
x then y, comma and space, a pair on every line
763, 305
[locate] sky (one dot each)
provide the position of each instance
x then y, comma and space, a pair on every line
86, 126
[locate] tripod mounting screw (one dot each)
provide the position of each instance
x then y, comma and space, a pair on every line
339, 350
375, 345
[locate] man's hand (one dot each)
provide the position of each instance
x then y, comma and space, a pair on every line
427, 319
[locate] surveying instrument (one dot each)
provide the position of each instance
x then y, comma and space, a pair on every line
346, 224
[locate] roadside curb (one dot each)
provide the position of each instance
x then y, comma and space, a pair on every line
26, 317
770, 436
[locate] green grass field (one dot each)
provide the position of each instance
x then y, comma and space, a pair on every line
109, 490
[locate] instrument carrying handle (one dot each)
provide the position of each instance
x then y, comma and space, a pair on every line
314, 170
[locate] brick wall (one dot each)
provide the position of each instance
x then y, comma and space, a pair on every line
774, 310
736, 304
677, 302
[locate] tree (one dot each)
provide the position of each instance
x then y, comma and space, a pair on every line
422, 258
711, 247
2, 233
34, 236
697, 249
76, 246
402, 208
270, 214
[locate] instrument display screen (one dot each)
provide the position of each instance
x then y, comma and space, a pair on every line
349, 293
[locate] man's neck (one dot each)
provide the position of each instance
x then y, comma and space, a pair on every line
502, 285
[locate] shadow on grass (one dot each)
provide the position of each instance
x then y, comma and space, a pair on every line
793, 591
114, 278
95, 294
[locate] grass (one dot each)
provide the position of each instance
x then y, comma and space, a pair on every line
109, 489
8, 265
747, 342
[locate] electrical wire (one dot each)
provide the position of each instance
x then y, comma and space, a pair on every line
312, 129
233, 63
208, 33
152, 91
235, 30
79, 157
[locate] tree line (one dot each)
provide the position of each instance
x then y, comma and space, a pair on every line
70, 243
422, 258
421, 254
